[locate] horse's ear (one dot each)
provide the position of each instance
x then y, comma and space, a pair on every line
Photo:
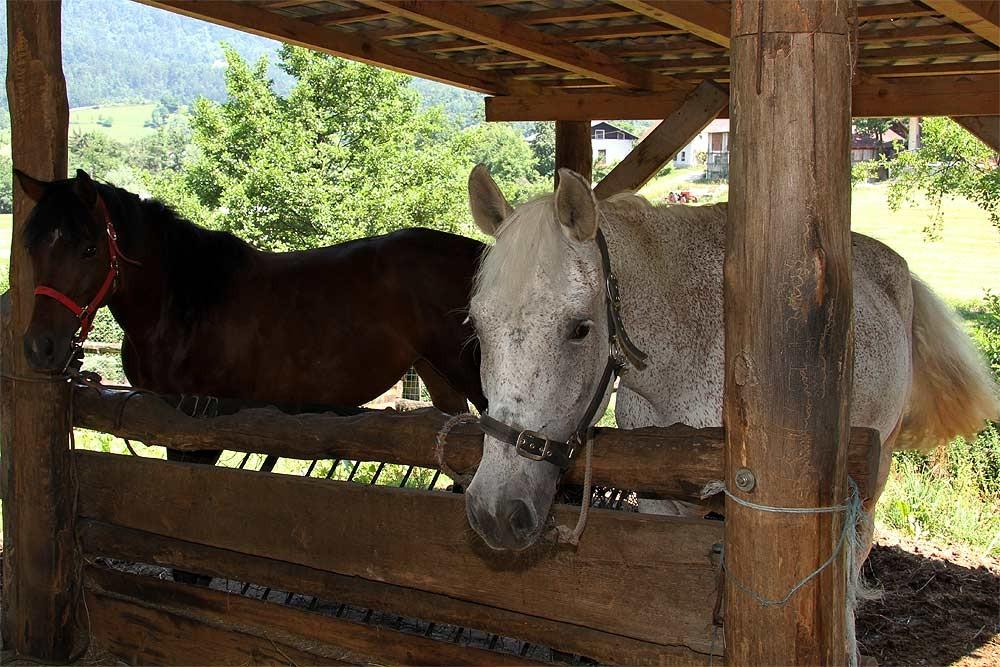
488, 205
85, 188
576, 207
32, 187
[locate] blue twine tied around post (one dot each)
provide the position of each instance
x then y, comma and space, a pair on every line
848, 536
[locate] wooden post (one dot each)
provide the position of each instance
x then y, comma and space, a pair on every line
986, 128
573, 148
41, 586
788, 321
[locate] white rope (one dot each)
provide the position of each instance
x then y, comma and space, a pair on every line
563, 533
439, 443
853, 516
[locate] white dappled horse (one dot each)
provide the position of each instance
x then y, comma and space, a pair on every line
539, 311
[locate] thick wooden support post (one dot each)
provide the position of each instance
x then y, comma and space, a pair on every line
986, 128
663, 143
573, 149
40, 585
788, 321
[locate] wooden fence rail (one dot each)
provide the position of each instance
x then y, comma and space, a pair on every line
675, 461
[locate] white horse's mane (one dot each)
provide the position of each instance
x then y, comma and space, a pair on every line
531, 237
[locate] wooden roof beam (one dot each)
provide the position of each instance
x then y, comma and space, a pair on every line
979, 16
248, 18
986, 128
898, 10
710, 22
663, 143
466, 21
963, 95
965, 67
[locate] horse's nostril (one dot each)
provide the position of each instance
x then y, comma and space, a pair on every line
521, 518
40, 350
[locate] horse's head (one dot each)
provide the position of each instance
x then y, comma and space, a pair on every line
68, 254
539, 311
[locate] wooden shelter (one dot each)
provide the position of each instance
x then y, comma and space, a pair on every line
640, 589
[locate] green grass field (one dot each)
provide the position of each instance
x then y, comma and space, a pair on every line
126, 120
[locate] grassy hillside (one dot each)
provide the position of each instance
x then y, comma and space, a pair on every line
126, 120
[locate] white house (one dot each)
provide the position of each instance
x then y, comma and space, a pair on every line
610, 143
714, 142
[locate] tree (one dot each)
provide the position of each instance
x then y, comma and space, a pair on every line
951, 162
348, 152
543, 145
506, 152
95, 152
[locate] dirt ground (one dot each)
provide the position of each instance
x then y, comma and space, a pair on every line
938, 605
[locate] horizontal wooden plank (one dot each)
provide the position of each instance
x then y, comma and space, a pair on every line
674, 462
645, 577
107, 540
162, 622
965, 95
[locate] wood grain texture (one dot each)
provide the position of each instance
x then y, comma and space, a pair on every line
659, 146
676, 461
980, 16
658, 568
708, 21
573, 148
162, 622
788, 323
101, 539
40, 594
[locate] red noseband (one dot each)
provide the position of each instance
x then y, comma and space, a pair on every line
86, 313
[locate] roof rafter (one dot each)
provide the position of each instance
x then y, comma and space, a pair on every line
466, 21
246, 17
710, 22
982, 18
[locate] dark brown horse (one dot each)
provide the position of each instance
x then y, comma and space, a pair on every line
205, 313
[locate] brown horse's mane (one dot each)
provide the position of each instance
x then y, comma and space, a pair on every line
198, 264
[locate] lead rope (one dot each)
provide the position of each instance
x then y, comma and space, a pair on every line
439, 443
563, 534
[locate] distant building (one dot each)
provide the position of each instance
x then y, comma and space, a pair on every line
864, 147
713, 141
610, 143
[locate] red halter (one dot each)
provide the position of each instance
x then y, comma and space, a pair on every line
86, 313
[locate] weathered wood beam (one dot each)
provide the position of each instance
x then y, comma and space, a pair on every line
897, 10
422, 540
676, 461
708, 21
152, 621
925, 52
788, 330
99, 539
986, 129
916, 33
248, 18
506, 33
41, 584
965, 95
573, 148
348, 17
938, 69
660, 145
980, 16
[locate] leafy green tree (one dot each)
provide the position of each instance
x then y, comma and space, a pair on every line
95, 152
503, 149
163, 150
348, 152
543, 146
950, 162
6, 183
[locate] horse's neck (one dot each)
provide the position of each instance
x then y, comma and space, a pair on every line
669, 265
138, 302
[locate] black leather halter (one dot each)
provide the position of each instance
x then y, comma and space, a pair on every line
622, 355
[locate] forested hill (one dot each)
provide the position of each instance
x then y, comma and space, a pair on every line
117, 51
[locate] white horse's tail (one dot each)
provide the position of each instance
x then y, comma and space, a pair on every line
952, 392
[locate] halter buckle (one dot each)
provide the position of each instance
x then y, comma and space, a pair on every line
532, 445
614, 295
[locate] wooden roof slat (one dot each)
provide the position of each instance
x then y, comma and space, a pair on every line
938, 69
569, 14
358, 15
620, 31
467, 21
982, 18
932, 51
918, 33
896, 10
708, 21
243, 16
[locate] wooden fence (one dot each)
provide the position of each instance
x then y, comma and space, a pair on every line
639, 589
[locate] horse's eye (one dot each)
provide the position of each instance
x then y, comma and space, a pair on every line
89, 251
581, 330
